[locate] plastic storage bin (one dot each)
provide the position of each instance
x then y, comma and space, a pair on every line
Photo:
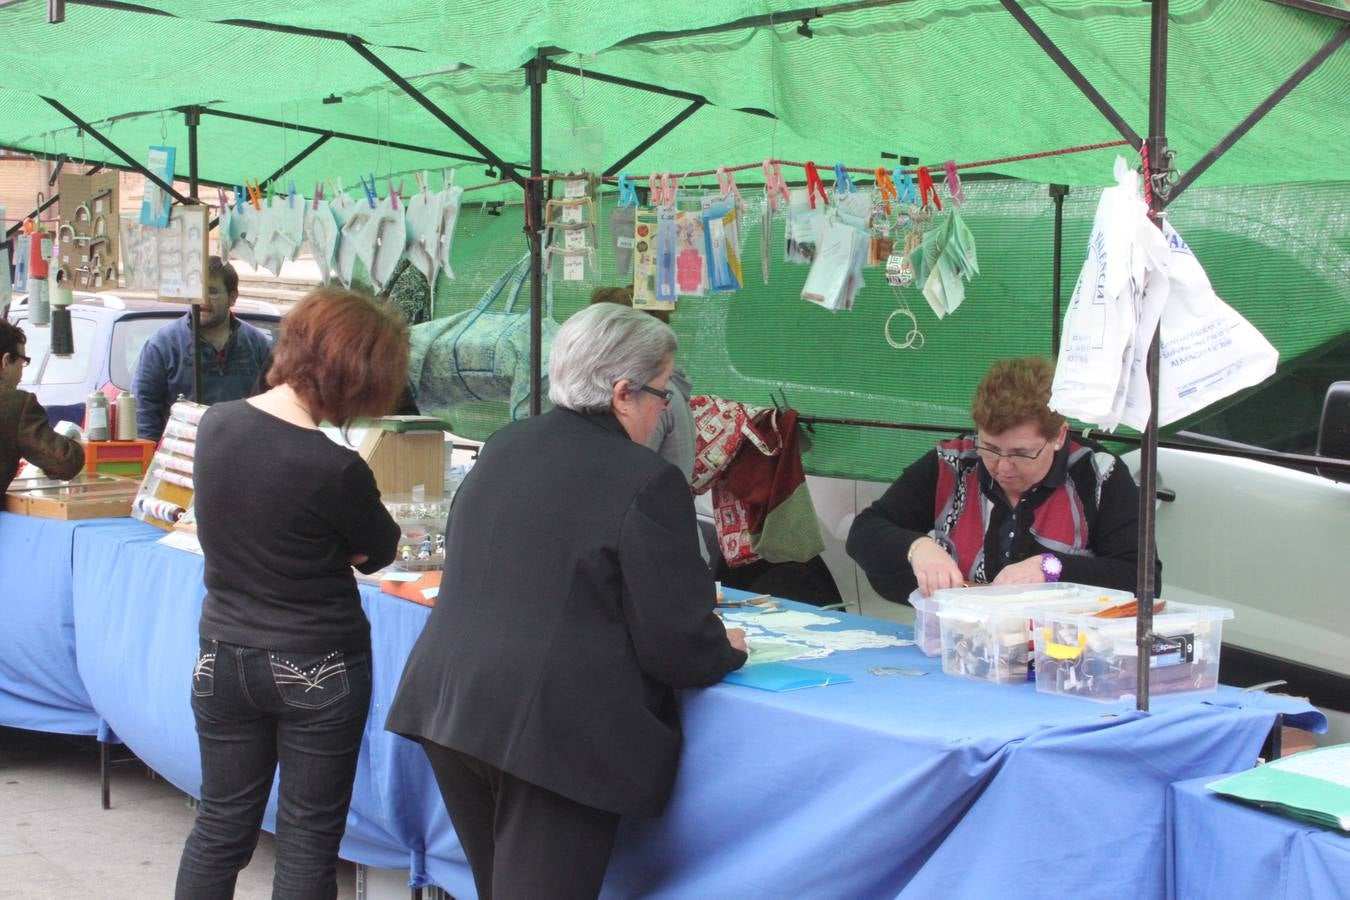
1097, 659
986, 631
927, 628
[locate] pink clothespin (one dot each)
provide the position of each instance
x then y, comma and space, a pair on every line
726, 182
318, 195
774, 185
953, 183
394, 195
663, 188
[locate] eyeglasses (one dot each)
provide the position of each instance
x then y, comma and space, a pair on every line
1016, 457
662, 393
19, 357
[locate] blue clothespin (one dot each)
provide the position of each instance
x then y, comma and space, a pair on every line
290, 193
843, 184
905, 188
369, 188
238, 198
627, 192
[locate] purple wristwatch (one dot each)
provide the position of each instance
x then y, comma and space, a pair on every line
1051, 567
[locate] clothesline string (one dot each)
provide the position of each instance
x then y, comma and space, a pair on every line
856, 169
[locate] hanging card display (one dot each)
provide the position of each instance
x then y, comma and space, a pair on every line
836, 273
665, 254
155, 202
182, 255
88, 237
804, 225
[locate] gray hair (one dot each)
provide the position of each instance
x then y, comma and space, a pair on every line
601, 346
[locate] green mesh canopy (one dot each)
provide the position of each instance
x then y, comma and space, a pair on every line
932, 79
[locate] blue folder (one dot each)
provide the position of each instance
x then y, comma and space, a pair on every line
783, 677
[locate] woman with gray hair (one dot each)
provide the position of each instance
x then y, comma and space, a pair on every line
573, 602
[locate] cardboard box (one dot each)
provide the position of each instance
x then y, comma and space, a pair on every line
403, 460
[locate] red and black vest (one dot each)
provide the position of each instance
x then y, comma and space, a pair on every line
961, 511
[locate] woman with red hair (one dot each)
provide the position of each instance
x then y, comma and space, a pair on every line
283, 673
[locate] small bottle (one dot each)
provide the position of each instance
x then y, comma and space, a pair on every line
96, 417
126, 416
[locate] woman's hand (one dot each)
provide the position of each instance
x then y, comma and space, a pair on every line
357, 558
736, 637
1028, 571
933, 566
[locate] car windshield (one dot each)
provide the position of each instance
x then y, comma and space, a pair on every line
131, 332
48, 369
129, 335
1284, 412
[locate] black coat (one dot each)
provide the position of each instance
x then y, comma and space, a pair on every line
574, 600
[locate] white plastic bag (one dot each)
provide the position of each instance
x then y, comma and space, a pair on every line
1110, 306
1207, 351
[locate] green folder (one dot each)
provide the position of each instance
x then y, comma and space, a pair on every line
1313, 786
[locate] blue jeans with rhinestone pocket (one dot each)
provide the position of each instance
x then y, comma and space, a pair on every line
259, 710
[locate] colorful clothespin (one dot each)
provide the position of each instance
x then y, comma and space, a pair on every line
369, 188
774, 185
928, 190
395, 195
663, 188
318, 195
627, 192
843, 184
220, 199
954, 183
726, 182
814, 185
254, 193
905, 191
290, 193
885, 187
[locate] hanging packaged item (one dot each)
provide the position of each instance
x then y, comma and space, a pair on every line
621, 224
644, 263
944, 257
691, 271
21, 242
836, 274
804, 226
448, 204
722, 254
665, 254
321, 233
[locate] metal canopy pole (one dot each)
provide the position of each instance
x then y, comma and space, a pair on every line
341, 135
194, 118
118, 151
661, 132
1069, 69
294, 161
1057, 193
1256, 115
1156, 172
536, 73
441, 116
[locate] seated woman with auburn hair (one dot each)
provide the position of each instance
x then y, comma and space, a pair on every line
283, 672
1020, 501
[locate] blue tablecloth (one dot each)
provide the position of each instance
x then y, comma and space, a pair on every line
1221, 848
890, 786
40, 688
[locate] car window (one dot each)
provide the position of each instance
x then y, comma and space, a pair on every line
1284, 412
48, 369
129, 335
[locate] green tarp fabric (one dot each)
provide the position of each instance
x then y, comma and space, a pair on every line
934, 79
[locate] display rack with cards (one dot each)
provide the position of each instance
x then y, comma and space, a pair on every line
165, 497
